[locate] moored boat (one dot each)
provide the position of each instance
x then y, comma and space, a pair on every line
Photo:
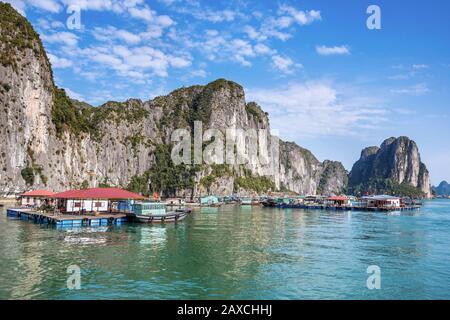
155, 212
172, 216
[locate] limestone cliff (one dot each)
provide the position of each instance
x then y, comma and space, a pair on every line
443, 189
394, 167
50, 141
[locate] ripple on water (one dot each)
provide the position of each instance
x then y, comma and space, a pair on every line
232, 252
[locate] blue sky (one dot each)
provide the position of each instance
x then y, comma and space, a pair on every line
328, 82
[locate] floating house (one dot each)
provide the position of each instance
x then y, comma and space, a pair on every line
209, 201
382, 201
93, 200
339, 201
36, 198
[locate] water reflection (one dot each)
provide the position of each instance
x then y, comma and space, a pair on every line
234, 252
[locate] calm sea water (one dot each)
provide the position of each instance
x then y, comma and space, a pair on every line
235, 253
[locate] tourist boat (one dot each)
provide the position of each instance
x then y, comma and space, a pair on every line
155, 212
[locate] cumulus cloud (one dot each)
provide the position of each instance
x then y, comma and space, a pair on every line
283, 64
301, 17
62, 37
336, 50
317, 108
60, 63
111, 33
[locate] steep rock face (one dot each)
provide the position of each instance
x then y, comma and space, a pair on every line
50, 141
394, 167
443, 189
334, 178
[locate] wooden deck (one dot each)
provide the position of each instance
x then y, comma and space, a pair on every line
68, 220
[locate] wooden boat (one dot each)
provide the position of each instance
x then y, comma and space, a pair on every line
172, 216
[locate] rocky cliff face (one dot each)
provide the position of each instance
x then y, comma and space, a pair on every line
394, 167
50, 141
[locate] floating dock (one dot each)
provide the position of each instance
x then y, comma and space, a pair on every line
66, 220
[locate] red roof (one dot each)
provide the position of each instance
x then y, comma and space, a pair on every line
38, 193
99, 193
338, 198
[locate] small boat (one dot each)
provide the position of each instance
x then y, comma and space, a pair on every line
155, 212
172, 216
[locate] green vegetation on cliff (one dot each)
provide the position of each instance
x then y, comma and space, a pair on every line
387, 186
164, 177
77, 117
259, 184
16, 36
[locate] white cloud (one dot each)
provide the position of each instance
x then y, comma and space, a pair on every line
63, 37
199, 73
263, 49
74, 95
283, 64
415, 90
336, 50
317, 108
47, 5
150, 16
59, 62
420, 66
110, 33
301, 17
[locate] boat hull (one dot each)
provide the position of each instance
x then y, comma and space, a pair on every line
171, 217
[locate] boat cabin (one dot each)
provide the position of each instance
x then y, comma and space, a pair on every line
149, 208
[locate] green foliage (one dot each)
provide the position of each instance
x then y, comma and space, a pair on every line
253, 109
84, 185
135, 141
104, 184
78, 117
332, 170
259, 184
164, 177
66, 116
34, 169
28, 175
387, 186
218, 171
16, 35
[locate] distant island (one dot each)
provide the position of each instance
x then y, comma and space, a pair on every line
442, 190
54, 142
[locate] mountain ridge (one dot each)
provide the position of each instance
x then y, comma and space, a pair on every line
53, 141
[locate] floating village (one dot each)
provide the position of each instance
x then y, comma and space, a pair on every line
114, 206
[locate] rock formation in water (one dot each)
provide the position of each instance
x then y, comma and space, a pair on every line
51, 141
395, 167
443, 189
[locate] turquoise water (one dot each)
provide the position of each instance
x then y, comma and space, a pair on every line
235, 253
